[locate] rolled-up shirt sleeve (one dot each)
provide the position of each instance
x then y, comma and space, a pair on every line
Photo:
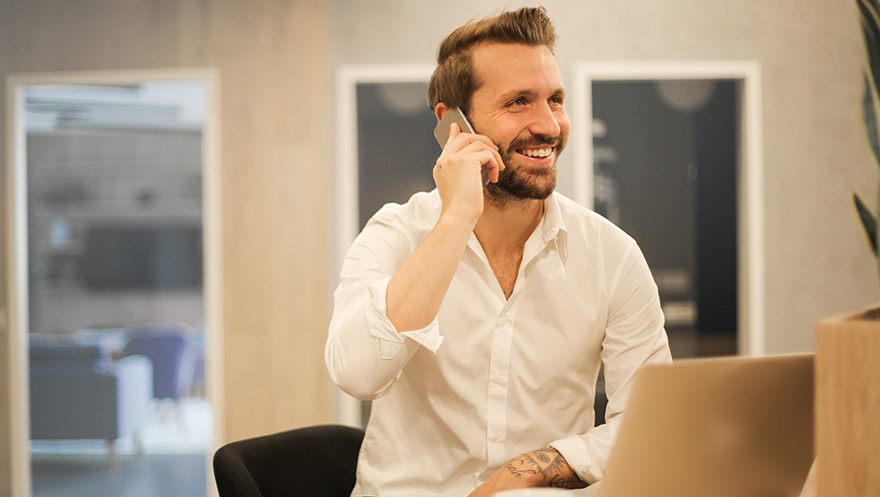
364, 352
634, 336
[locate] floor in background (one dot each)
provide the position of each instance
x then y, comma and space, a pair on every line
77, 475
173, 463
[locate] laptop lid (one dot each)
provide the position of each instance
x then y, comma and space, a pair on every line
726, 427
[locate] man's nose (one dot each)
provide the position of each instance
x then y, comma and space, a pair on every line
544, 121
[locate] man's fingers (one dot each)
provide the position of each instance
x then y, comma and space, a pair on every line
471, 147
488, 157
454, 131
498, 163
493, 162
459, 140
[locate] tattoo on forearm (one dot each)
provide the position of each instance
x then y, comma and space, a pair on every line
559, 481
550, 464
518, 472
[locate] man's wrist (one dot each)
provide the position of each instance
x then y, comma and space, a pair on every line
460, 219
567, 476
544, 468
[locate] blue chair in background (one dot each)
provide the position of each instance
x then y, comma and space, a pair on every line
169, 347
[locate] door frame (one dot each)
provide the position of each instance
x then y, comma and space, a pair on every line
750, 179
17, 263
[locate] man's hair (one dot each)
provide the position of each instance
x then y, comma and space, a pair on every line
455, 80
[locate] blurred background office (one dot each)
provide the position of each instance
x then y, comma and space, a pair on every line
257, 199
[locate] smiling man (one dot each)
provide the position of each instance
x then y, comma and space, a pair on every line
477, 318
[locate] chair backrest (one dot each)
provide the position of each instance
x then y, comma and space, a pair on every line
318, 461
170, 351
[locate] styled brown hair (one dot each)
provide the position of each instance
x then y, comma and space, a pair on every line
455, 80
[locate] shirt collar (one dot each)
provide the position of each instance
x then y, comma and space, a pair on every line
553, 225
552, 228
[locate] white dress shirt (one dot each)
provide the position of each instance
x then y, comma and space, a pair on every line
492, 377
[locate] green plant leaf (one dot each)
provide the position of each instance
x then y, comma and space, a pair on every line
869, 15
869, 122
869, 222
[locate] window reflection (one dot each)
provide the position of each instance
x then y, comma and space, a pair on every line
665, 171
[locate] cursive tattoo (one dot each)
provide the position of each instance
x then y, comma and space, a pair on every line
519, 472
559, 481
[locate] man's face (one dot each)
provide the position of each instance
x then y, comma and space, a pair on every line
519, 106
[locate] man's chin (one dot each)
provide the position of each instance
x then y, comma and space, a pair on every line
533, 188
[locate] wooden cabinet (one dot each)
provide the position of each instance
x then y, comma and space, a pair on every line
848, 405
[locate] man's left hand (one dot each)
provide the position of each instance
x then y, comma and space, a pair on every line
539, 468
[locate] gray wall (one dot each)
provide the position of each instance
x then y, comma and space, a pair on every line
810, 52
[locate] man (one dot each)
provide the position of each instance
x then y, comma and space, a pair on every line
477, 318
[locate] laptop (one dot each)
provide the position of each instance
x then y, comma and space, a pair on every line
725, 427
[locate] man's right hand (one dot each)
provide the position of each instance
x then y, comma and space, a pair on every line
417, 288
458, 175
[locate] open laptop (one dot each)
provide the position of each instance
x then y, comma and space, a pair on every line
727, 427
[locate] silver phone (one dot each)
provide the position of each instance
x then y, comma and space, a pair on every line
441, 132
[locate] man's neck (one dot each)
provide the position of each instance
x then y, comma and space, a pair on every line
507, 225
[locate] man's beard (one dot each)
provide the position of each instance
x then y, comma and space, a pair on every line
517, 183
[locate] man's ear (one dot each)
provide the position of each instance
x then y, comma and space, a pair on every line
440, 110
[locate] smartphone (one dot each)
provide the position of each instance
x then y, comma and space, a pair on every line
441, 132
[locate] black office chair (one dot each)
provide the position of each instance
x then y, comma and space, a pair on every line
318, 461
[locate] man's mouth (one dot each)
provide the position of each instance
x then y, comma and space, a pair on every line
538, 153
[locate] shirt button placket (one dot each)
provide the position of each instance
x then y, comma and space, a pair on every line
496, 409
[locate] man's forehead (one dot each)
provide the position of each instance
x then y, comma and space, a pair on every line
491, 50
516, 67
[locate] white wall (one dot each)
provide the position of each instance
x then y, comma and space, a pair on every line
810, 52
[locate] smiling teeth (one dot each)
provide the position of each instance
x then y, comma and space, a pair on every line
540, 152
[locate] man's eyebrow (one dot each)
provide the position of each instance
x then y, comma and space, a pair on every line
517, 93
528, 93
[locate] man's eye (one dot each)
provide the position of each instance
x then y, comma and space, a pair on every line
517, 101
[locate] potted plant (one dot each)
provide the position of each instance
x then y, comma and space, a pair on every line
848, 346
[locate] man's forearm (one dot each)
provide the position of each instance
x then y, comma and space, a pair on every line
417, 289
538, 468
544, 468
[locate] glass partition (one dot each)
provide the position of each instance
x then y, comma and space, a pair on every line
115, 288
